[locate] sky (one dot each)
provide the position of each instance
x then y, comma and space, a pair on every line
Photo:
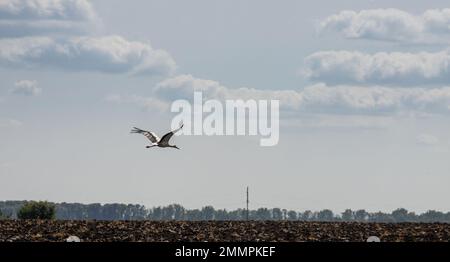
364, 91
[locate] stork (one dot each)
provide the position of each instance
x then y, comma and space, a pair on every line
156, 141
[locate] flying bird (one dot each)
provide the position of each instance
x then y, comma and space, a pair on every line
156, 141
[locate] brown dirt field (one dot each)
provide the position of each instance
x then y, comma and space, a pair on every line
218, 231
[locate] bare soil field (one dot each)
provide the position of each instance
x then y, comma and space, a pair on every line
218, 231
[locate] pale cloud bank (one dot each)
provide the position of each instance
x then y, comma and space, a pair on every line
390, 25
110, 54
58, 34
319, 98
37, 17
184, 86
26, 87
395, 69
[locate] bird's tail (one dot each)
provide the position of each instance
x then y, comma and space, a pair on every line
136, 130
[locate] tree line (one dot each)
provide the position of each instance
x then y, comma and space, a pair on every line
77, 211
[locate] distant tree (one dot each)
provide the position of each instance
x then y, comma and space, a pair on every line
241, 214
179, 212
263, 214
72, 211
208, 213
168, 213
447, 217
432, 216
381, 217
306, 216
108, 212
361, 215
400, 215
94, 211
347, 215
277, 214
77, 211
10, 208
412, 217
156, 213
314, 216
4, 216
221, 214
325, 215
194, 215
292, 215
134, 212
37, 210
253, 215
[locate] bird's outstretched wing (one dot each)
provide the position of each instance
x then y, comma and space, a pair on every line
150, 135
165, 139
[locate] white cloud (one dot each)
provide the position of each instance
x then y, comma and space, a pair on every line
398, 69
26, 87
391, 25
111, 54
46, 9
34, 17
183, 87
40, 33
356, 99
318, 98
427, 140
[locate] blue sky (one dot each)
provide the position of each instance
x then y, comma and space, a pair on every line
364, 89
